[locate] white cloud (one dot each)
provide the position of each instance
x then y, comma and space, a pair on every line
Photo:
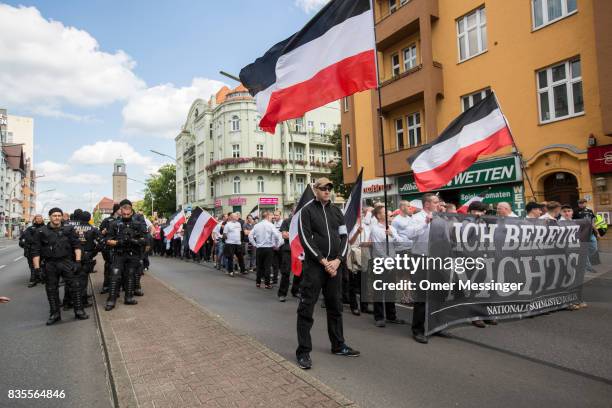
106, 152
46, 65
161, 110
310, 5
61, 172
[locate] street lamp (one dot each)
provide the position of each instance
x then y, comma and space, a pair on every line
142, 182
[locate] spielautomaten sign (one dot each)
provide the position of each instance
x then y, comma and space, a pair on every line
528, 267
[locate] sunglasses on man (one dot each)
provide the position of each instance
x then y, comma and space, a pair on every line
325, 188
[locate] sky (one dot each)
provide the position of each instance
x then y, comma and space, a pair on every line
109, 78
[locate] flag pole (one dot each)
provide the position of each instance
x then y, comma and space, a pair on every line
518, 152
380, 125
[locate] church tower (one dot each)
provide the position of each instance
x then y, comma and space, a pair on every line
119, 181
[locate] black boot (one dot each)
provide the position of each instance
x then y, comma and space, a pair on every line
79, 313
112, 295
138, 291
54, 306
129, 291
106, 283
67, 303
33, 279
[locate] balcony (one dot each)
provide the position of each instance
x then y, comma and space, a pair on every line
410, 86
404, 21
318, 138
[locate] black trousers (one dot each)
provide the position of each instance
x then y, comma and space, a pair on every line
231, 250
418, 318
263, 264
106, 254
87, 267
54, 270
125, 268
315, 280
276, 265
31, 266
285, 270
384, 310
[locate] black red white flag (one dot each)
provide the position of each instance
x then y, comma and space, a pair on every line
297, 250
333, 56
175, 223
482, 129
200, 226
352, 207
464, 207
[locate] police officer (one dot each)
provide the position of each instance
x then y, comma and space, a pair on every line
25, 241
126, 235
90, 245
144, 261
57, 244
324, 238
107, 251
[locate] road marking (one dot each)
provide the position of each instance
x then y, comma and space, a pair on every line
2, 266
16, 259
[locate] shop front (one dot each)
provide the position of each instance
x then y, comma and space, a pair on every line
498, 179
600, 166
267, 203
373, 191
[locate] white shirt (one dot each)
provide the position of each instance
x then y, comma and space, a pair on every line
378, 238
232, 231
265, 235
546, 216
405, 227
216, 232
420, 245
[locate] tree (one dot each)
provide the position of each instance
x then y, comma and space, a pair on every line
337, 175
162, 187
97, 217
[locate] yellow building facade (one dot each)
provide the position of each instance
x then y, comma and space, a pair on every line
546, 61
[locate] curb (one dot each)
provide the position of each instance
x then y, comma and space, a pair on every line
282, 361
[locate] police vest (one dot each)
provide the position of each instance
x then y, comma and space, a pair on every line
55, 243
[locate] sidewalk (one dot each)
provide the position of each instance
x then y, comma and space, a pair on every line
168, 351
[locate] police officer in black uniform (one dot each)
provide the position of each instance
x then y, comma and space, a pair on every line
59, 248
25, 241
90, 245
324, 238
144, 261
107, 252
126, 236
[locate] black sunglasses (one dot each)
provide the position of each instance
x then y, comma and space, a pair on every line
325, 188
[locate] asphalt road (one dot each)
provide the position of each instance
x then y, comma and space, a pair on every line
558, 360
67, 356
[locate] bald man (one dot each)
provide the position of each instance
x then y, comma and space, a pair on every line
505, 210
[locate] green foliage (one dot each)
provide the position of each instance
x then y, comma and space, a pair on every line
97, 217
337, 176
162, 187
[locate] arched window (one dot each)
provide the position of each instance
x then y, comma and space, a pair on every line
236, 185
260, 184
235, 123
257, 120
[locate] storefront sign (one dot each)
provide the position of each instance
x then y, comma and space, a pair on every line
218, 203
512, 194
268, 201
237, 201
375, 187
495, 171
600, 159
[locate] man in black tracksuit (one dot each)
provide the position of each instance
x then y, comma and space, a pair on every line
324, 238
25, 241
107, 252
285, 266
59, 247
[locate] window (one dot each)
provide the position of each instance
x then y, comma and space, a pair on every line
399, 133
310, 126
211, 157
260, 184
299, 125
414, 129
323, 128
236, 185
301, 181
472, 34
311, 155
212, 188
392, 6
395, 65
545, 12
210, 131
410, 57
345, 103
560, 91
235, 150
472, 99
347, 143
235, 123
260, 150
257, 120
299, 152
324, 156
